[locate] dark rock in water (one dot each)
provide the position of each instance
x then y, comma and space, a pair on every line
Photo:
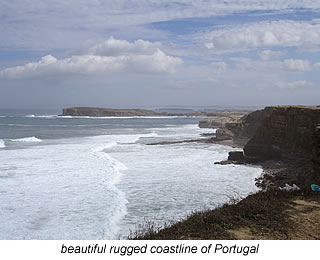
208, 134
236, 156
224, 162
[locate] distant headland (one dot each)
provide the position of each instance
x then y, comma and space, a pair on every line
111, 112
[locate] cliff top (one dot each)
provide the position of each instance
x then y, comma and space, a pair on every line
106, 108
297, 107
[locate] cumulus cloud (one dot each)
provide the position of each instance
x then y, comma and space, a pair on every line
269, 54
115, 47
264, 34
294, 84
296, 65
110, 56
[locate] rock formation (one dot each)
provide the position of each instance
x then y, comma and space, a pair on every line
316, 155
285, 140
238, 127
219, 118
286, 130
102, 112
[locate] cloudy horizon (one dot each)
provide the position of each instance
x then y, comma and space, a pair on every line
159, 53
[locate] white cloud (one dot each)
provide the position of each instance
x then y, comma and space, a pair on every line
111, 56
269, 54
294, 84
296, 65
60, 24
317, 65
264, 34
114, 47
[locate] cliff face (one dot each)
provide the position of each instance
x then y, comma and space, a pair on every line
220, 118
102, 112
287, 130
245, 127
238, 127
316, 155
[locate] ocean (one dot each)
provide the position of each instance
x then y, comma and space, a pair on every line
95, 178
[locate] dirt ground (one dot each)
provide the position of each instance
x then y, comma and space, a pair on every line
304, 215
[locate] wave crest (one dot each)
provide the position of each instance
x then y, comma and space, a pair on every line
31, 139
2, 144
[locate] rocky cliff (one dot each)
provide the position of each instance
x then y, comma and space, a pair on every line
285, 140
316, 155
221, 117
102, 112
238, 126
286, 130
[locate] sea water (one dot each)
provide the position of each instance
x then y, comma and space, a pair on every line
96, 178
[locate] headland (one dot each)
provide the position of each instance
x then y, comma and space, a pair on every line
285, 141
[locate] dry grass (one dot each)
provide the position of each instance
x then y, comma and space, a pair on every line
265, 215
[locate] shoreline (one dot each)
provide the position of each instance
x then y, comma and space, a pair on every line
229, 143
285, 207
276, 173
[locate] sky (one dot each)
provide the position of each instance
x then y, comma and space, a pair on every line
151, 53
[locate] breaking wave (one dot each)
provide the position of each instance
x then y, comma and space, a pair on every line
31, 139
2, 144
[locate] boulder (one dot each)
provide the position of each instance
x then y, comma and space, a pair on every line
236, 156
224, 162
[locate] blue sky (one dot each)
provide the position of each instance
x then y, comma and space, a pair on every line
159, 53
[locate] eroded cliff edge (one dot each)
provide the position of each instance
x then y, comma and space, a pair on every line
288, 137
287, 130
284, 140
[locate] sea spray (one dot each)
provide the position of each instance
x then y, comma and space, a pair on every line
91, 177
115, 166
31, 139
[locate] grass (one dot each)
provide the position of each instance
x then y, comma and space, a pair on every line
264, 213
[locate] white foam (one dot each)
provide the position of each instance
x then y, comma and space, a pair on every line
89, 187
131, 139
69, 190
177, 179
31, 139
43, 116
47, 116
2, 144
